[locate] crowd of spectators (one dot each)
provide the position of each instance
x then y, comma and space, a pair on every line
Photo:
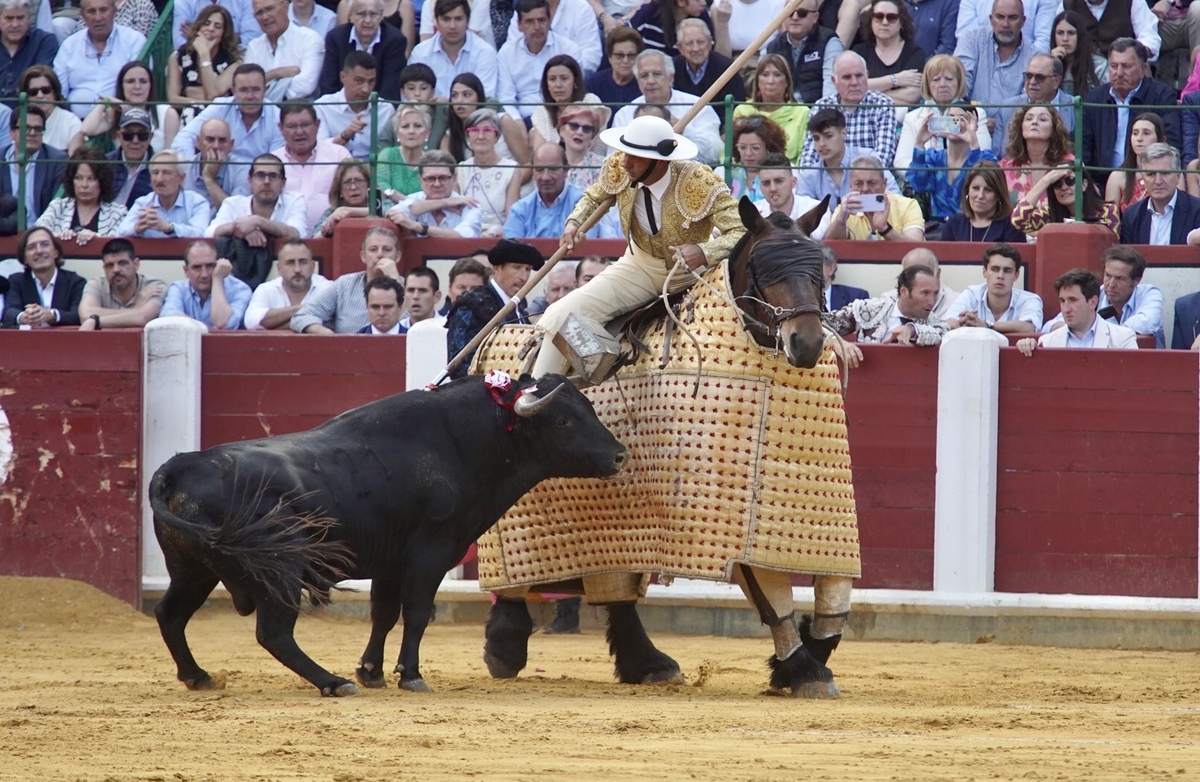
918, 120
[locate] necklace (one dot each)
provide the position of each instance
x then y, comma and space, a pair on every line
986, 229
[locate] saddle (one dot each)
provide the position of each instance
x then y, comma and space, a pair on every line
598, 352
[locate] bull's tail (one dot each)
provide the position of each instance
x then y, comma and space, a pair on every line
284, 551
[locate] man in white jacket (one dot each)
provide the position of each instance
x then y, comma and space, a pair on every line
1078, 296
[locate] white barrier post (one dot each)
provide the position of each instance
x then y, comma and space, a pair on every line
170, 417
964, 527
425, 354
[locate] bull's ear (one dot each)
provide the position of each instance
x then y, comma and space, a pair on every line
750, 216
809, 221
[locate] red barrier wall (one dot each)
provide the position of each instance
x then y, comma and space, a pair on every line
257, 384
70, 506
891, 407
1097, 477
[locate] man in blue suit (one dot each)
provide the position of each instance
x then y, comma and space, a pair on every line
837, 296
1186, 334
384, 295
43, 174
1167, 214
366, 31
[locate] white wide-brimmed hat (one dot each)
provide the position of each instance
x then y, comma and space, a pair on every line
650, 137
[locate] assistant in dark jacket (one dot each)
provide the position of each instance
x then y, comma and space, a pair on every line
808, 62
1187, 322
47, 178
141, 185
1135, 221
714, 67
388, 53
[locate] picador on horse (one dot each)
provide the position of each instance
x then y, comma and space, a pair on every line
740, 463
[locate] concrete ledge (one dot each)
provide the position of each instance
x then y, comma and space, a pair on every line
707, 608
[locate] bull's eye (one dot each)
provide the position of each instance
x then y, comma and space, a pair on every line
563, 422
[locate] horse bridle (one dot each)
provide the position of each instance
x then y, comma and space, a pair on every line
777, 315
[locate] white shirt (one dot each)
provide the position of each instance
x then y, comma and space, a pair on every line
657, 191
321, 22
574, 19
393, 330
289, 210
296, 46
271, 295
476, 56
1160, 224
61, 127
800, 205
747, 21
466, 221
358, 42
336, 115
87, 75
1023, 305
704, 130
520, 74
45, 296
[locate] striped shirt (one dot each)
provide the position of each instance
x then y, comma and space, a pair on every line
341, 305
871, 126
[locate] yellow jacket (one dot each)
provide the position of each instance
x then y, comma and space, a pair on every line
696, 201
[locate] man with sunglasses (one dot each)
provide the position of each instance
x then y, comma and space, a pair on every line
44, 171
437, 210
1043, 84
131, 178
810, 50
996, 57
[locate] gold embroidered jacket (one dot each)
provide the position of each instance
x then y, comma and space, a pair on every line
696, 201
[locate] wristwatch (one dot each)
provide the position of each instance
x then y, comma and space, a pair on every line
887, 229
96, 320
424, 230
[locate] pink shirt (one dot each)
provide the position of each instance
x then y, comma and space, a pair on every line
313, 178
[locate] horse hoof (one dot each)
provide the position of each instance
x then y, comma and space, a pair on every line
371, 679
498, 668
817, 691
665, 676
340, 690
204, 682
414, 685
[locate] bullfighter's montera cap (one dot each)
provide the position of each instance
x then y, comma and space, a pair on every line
513, 251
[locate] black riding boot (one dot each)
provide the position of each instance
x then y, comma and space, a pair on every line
566, 617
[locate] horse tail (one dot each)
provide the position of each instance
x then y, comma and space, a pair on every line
284, 550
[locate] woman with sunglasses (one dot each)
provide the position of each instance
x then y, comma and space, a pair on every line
41, 84
202, 69
135, 88
775, 101
349, 196
578, 127
894, 62
86, 209
1032, 211
492, 180
1124, 185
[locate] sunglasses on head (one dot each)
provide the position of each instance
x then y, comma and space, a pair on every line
880, 16
135, 135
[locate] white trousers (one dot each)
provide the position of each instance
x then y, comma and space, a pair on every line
635, 279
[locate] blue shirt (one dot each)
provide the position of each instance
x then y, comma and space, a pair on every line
87, 75
991, 81
189, 215
1118, 152
234, 179
816, 183
1087, 340
1023, 305
476, 56
259, 139
182, 299
928, 174
14, 174
529, 218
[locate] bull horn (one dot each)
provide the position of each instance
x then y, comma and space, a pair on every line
527, 407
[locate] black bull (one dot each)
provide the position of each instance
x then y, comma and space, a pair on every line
394, 491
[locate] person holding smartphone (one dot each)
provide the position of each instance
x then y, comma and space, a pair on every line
869, 211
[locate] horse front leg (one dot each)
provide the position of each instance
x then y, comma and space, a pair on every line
793, 668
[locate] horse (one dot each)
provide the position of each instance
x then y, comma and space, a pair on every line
775, 280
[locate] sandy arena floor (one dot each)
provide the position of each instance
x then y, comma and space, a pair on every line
87, 692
